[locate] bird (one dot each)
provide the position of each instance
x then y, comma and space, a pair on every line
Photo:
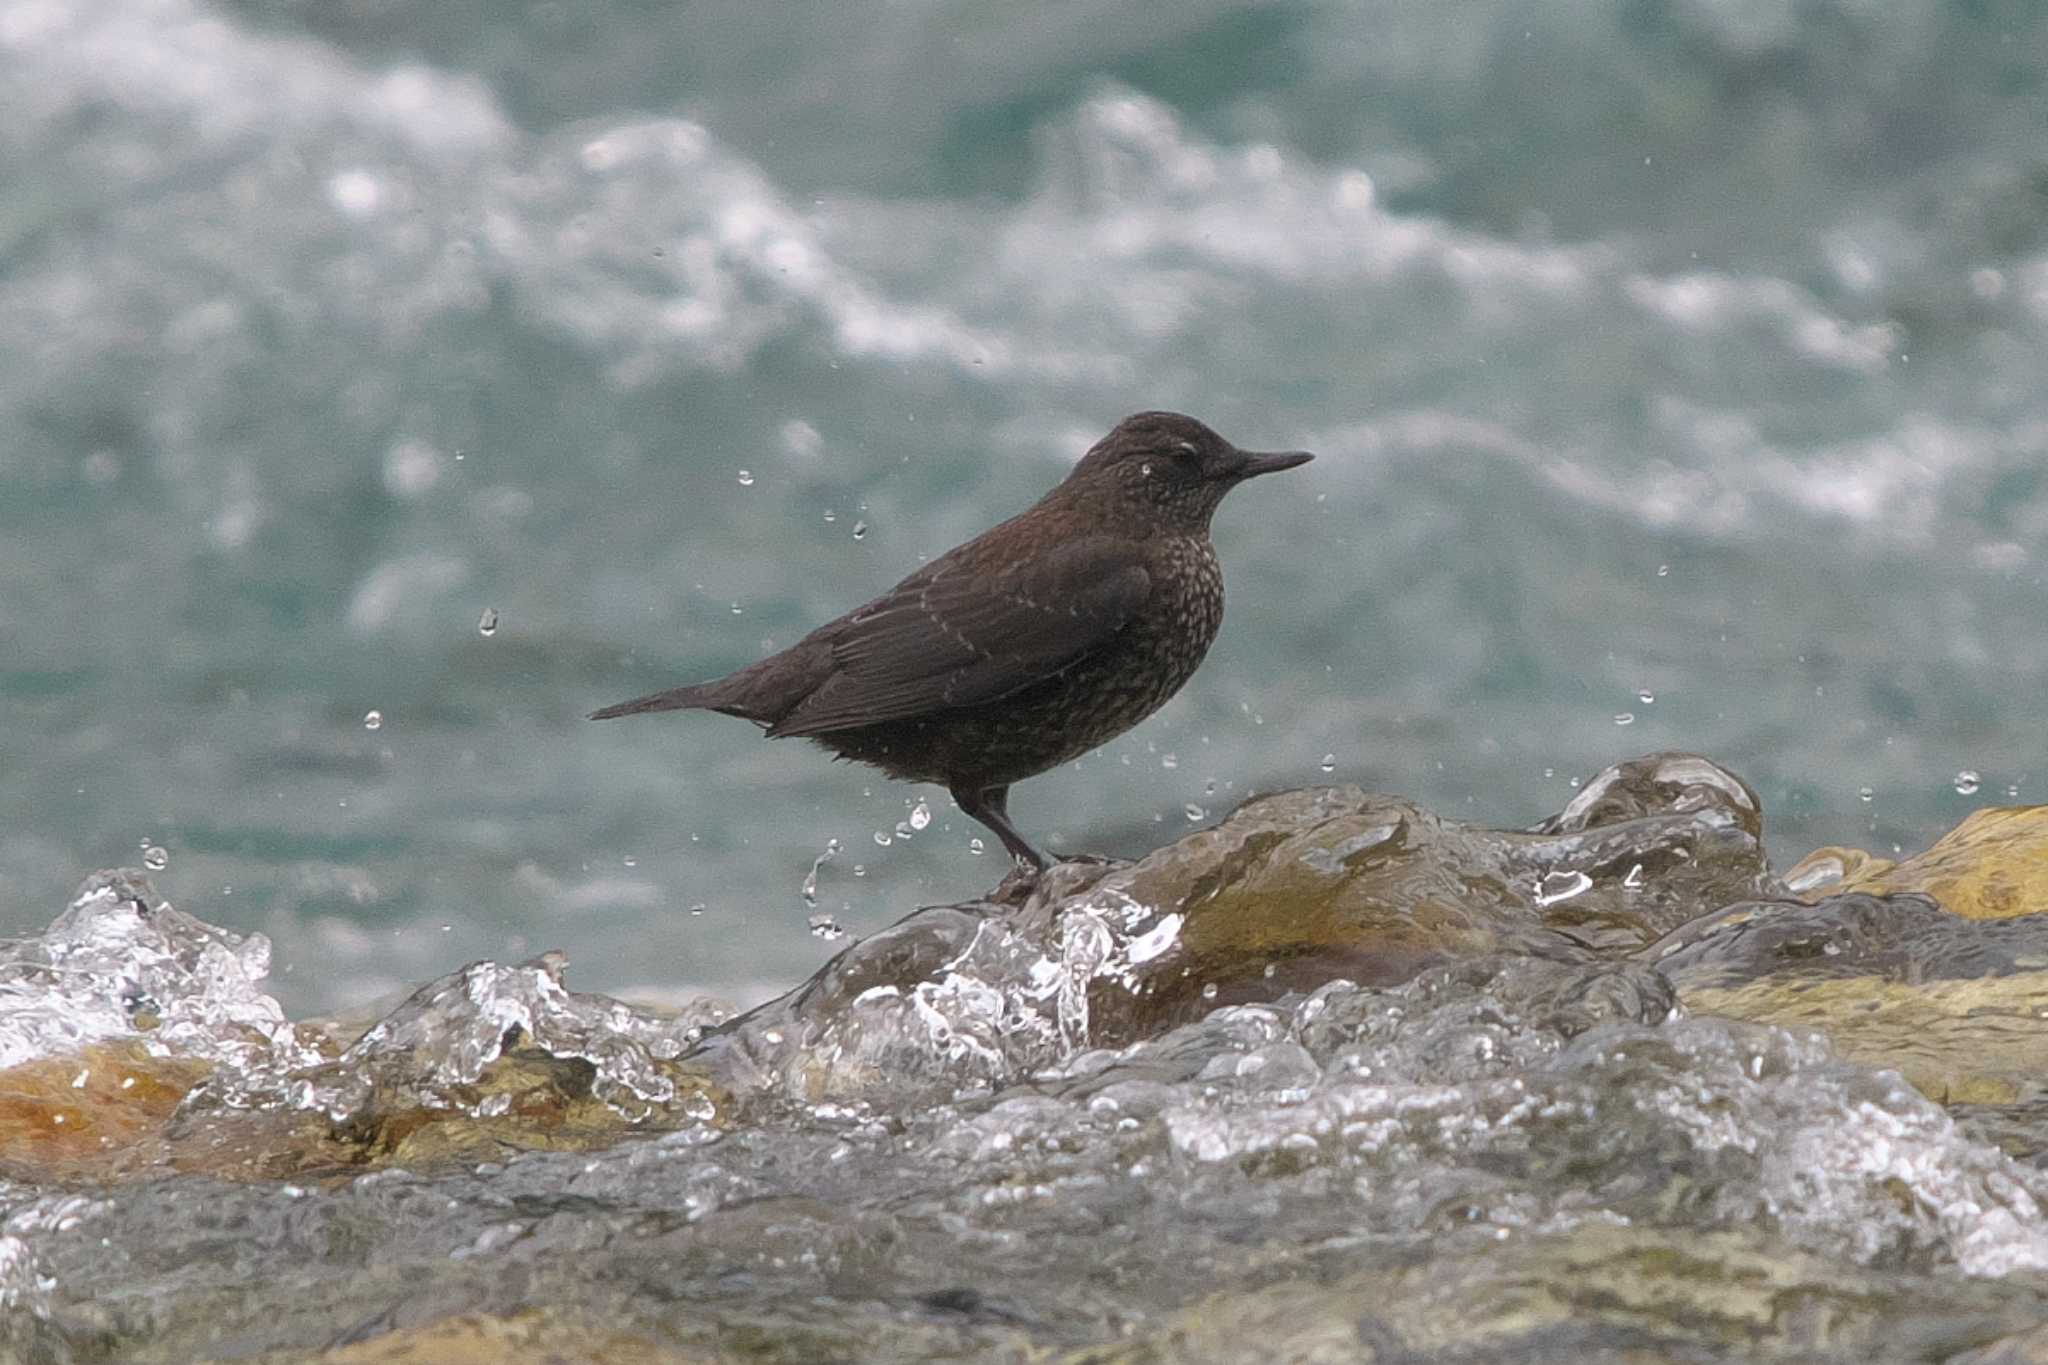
1040, 639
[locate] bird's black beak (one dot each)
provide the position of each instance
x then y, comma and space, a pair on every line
1257, 462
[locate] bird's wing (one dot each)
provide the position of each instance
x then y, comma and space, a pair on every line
951, 636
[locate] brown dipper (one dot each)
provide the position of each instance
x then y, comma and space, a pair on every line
1027, 646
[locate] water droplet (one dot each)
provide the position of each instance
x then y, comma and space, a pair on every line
1169, 761
746, 478
1663, 571
827, 928
698, 908
860, 870
1625, 718
860, 528
1329, 764
487, 624
903, 830
883, 838
1646, 697
1866, 794
920, 815
155, 858
1209, 991
1193, 811
1967, 782
373, 720
976, 847
830, 516
630, 862
2013, 791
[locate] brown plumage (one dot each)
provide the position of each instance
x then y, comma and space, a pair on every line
1027, 646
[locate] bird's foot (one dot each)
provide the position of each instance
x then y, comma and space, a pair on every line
1017, 884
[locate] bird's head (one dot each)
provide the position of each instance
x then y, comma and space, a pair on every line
1167, 468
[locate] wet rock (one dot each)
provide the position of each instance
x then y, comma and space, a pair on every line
1289, 892
1895, 981
1994, 865
91, 1114
1592, 1292
144, 1043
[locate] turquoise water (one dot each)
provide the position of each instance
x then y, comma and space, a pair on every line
1676, 371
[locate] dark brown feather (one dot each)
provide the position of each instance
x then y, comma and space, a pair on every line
949, 637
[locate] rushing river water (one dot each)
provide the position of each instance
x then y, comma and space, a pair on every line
1338, 1079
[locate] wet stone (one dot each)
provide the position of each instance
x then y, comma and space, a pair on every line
1994, 865
1287, 893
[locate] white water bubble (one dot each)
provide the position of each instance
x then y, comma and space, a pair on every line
373, 720
1193, 811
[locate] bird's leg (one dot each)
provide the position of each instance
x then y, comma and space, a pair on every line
990, 805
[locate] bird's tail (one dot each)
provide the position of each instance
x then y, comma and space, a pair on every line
675, 699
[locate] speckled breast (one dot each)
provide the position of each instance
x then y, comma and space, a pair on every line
1100, 697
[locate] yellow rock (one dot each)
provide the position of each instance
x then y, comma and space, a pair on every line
1994, 865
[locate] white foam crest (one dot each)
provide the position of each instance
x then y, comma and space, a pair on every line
254, 183
121, 963
447, 1032
1158, 215
1724, 478
1709, 302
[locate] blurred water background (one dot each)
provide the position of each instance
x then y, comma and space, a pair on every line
383, 387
